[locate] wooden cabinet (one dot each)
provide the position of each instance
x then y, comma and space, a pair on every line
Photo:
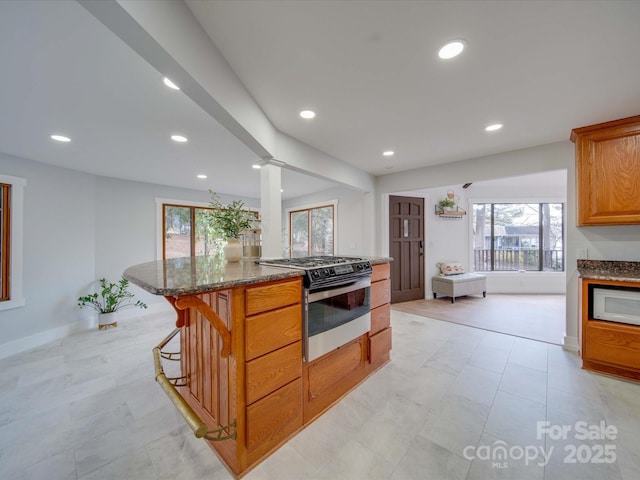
608, 172
608, 347
273, 369
380, 334
258, 387
333, 375
262, 389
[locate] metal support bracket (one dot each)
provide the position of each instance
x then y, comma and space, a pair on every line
199, 428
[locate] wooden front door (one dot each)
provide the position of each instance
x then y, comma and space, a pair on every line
406, 246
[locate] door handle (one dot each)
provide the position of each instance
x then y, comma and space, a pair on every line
421, 243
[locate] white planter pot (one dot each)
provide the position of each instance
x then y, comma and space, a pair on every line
106, 320
233, 250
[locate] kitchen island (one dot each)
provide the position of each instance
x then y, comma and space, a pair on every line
244, 386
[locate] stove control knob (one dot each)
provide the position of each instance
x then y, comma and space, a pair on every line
326, 272
315, 274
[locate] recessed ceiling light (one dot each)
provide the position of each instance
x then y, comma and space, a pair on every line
388, 153
257, 166
179, 138
451, 49
170, 84
281, 190
493, 127
308, 114
202, 176
60, 138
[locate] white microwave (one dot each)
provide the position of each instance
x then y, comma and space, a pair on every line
617, 305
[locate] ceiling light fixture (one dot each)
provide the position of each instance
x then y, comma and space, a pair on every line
451, 49
493, 127
388, 153
308, 114
60, 138
170, 84
257, 165
179, 138
202, 176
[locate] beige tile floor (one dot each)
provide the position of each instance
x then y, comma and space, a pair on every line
87, 407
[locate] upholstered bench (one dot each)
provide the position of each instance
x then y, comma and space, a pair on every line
458, 285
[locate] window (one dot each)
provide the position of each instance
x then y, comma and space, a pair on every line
311, 231
5, 240
185, 230
518, 236
11, 226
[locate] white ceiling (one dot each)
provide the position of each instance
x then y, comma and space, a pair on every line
371, 72
64, 72
369, 69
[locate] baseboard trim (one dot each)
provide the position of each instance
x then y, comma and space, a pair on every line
42, 338
571, 344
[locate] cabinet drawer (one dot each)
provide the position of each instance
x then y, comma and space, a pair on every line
272, 330
380, 272
380, 346
612, 343
380, 293
380, 318
273, 419
276, 295
270, 372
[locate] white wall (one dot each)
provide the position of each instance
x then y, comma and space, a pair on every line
78, 228
127, 236
58, 246
451, 239
354, 237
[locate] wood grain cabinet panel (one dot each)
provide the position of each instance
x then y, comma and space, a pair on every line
614, 343
380, 272
332, 375
380, 318
271, 296
269, 331
270, 372
608, 172
273, 419
380, 347
380, 293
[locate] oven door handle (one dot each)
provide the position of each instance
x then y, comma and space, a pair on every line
332, 292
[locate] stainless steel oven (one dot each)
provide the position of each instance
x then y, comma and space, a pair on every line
335, 315
337, 300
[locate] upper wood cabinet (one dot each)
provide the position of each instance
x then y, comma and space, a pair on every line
608, 172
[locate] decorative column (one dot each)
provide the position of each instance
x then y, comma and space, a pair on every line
271, 214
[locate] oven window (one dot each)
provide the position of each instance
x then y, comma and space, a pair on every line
332, 312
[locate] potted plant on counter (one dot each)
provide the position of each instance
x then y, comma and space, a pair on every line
228, 221
111, 298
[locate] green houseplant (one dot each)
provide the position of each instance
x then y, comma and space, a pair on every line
111, 298
446, 203
228, 221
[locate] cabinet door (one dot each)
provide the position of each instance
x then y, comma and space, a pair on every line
608, 173
379, 348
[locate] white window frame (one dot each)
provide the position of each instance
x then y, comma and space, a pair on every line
328, 203
180, 203
16, 291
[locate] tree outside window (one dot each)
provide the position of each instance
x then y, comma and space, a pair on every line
311, 231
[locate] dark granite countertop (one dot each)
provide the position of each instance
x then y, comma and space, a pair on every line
615, 270
188, 275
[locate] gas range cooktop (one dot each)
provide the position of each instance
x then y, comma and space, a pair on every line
324, 270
